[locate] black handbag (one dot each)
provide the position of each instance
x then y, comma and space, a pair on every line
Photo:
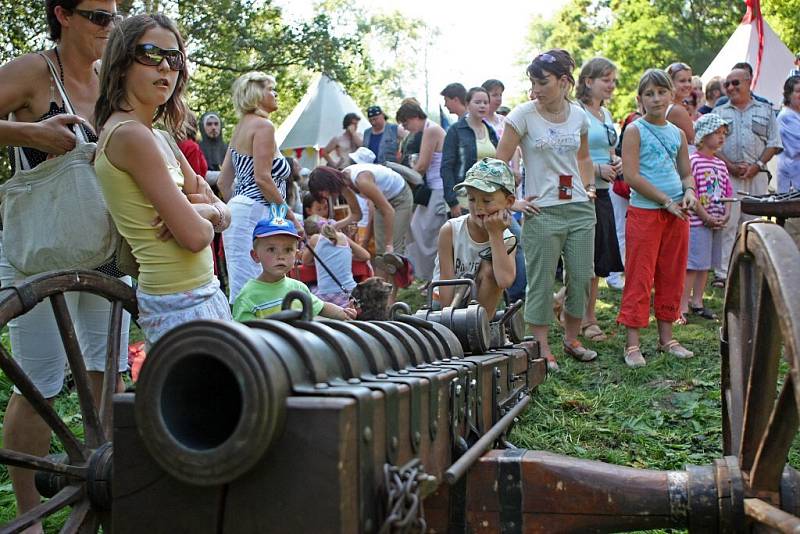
422, 194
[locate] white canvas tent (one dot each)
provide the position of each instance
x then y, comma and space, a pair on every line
743, 45
315, 120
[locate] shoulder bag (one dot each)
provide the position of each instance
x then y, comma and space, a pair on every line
54, 215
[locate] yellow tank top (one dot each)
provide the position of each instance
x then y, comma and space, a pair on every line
485, 147
164, 266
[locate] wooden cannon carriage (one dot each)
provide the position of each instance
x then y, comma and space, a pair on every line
289, 425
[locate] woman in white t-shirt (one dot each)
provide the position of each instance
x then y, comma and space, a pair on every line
559, 214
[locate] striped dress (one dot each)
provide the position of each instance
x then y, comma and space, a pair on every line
245, 181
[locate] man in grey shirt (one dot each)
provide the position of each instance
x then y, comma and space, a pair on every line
753, 141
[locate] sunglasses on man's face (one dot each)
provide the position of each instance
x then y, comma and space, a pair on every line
99, 17
734, 83
152, 56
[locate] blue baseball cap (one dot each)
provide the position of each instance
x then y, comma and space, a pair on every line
274, 226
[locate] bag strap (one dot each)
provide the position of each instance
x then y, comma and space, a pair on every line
79, 133
663, 144
19, 156
327, 269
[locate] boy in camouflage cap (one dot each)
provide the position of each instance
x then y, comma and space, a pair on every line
489, 186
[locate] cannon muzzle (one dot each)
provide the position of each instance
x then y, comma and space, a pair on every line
210, 401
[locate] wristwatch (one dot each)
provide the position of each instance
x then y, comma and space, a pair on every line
760, 164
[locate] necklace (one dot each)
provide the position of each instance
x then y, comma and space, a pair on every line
60, 66
560, 116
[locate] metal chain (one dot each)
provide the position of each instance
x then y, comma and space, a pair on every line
406, 487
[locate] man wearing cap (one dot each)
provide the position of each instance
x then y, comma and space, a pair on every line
754, 139
383, 138
476, 245
275, 248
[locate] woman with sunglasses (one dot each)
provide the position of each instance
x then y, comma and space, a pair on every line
553, 134
596, 84
261, 174
678, 111
165, 211
43, 129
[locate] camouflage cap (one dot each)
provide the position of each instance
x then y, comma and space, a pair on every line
489, 175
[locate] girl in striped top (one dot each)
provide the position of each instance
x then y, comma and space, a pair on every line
254, 174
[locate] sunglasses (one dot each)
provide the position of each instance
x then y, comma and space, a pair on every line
152, 56
611, 135
99, 17
734, 83
675, 68
547, 58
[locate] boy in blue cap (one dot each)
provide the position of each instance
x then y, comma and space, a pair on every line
275, 247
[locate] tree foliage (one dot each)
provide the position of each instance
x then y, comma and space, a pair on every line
226, 38
640, 34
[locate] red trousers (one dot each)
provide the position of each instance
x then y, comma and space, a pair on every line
656, 252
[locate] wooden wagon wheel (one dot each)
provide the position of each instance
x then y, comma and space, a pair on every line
760, 405
82, 475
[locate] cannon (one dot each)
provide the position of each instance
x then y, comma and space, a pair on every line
293, 425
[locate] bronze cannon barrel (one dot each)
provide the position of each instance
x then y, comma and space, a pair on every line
210, 401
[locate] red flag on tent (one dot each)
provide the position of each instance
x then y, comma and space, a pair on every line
753, 15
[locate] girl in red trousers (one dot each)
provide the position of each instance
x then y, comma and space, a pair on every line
655, 161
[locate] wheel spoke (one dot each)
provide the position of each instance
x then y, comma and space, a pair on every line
63, 498
91, 424
776, 441
79, 517
770, 516
28, 461
72, 446
760, 393
112, 366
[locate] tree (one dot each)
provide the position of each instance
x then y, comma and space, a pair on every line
641, 34
782, 16
225, 39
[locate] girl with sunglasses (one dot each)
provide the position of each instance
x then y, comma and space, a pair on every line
43, 130
165, 211
596, 84
678, 111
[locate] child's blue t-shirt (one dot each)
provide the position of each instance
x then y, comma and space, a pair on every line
658, 154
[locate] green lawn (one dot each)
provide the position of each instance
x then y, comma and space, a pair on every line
662, 416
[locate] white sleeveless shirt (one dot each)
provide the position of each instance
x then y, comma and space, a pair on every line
466, 251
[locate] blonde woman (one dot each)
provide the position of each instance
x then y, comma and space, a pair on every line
259, 170
677, 112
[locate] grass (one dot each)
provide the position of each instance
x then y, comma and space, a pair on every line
662, 416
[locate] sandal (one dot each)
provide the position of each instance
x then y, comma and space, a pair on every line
592, 332
392, 262
719, 283
578, 351
634, 358
552, 364
674, 348
682, 319
704, 312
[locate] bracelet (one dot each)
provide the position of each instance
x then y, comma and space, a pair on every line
760, 164
667, 204
591, 187
690, 187
219, 226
